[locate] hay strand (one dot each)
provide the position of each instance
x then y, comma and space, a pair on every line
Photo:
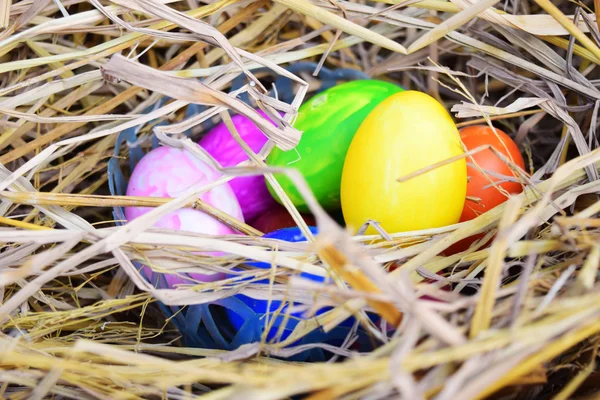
513, 316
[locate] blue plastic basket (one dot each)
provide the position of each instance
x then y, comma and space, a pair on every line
207, 325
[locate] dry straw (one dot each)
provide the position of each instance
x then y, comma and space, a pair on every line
78, 320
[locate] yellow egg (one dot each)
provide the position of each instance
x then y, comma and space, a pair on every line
406, 132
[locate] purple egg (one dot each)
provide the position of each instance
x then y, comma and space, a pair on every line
251, 191
168, 172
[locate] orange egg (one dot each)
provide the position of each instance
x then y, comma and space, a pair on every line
479, 185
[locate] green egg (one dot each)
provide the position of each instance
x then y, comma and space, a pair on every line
328, 121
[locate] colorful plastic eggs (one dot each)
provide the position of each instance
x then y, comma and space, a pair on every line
328, 121
293, 234
405, 133
168, 172
251, 191
277, 218
482, 196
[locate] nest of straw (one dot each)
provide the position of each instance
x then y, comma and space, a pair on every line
79, 322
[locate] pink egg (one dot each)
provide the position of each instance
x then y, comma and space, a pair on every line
251, 191
168, 172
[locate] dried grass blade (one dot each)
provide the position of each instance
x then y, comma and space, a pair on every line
20, 224
589, 272
41, 52
39, 262
540, 24
5, 13
304, 7
468, 110
338, 262
205, 31
105, 107
193, 91
287, 57
569, 390
69, 220
51, 88
63, 199
569, 26
597, 12
465, 40
527, 65
452, 23
483, 311
106, 48
248, 34
536, 24
551, 350
54, 120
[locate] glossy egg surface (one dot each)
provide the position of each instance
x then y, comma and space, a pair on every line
251, 191
405, 133
479, 185
168, 172
481, 195
328, 121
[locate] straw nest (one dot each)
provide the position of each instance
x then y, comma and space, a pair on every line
78, 320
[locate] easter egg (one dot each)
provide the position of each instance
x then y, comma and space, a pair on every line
277, 218
328, 122
405, 133
168, 172
479, 185
251, 191
482, 196
258, 306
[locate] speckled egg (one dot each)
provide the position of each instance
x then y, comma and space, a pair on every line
251, 191
168, 172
